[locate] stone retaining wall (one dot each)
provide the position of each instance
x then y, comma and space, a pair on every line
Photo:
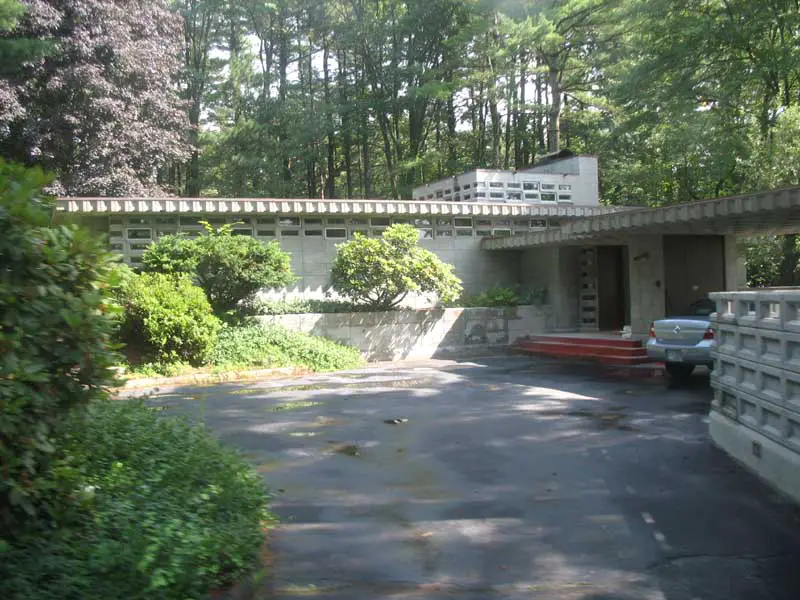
755, 415
422, 333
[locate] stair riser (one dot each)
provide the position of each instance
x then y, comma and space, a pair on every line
573, 350
606, 359
587, 341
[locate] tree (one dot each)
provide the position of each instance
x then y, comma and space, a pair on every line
230, 268
101, 109
380, 273
55, 348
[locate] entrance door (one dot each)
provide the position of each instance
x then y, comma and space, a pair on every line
611, 288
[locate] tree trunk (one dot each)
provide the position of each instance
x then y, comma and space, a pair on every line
554, 117
330, 183
344, 110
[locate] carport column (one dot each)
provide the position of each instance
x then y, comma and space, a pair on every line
646, 264
735, 264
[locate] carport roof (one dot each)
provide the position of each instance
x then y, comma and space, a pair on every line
775, 211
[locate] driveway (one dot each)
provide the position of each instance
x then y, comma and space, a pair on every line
511, 479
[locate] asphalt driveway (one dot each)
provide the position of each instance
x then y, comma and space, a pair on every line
511, 479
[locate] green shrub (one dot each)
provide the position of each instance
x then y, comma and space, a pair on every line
171, 514
230, 268
167, 319
274, 346
55, 348
380, 273
300, 306
496, 296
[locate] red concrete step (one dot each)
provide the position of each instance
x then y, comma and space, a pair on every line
610, 351
575, 349
588, 341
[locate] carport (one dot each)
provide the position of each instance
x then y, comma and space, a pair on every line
632, 267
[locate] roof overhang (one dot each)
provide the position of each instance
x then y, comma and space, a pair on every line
246, 206
773, 212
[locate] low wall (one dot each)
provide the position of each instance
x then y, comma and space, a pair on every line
422, 333
755, 415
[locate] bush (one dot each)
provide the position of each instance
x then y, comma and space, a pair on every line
496, 296
300, 306
55, 348
171, 514
380, 273
230, 268
167, 319
274, 346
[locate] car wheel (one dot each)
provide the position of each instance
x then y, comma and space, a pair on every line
679, 370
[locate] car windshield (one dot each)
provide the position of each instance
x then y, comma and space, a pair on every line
699, 308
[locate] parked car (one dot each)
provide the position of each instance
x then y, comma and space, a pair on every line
684, 341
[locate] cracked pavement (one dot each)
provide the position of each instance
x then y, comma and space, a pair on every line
512, 479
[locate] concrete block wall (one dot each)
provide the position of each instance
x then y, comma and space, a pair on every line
755, 415
646, 275
422, 333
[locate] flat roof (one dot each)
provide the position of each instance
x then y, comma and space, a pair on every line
769, 212
277, 206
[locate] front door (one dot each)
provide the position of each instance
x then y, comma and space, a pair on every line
611, 288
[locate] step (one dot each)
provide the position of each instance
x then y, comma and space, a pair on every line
588, 341
574, 349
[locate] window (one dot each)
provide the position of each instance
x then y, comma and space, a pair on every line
457, 198
463, 223
135, 260
548, 197
444, 222
115, 220
497, 195
115, 247
502, 223
515, 195
548, 186
265, 221
359, 222
115, 233
483, 223
530, 185
425, 234
401, 221
138, 221
448, 191
138, 246
480, 184
501, 232
565, 197
380, 221
480, 194
313, 232
456, 188
190, 220
165, 221
564, 186
467, 197
466, 186
140, 234
464, 232
242, 231
336, 234
335, 221
314, 221
289, 221
496, 184
515, 186
522, 223
430, 196
553, 223
377, 232
361, 230
444, 233
265, 233
483, 232
439, 194
422, 222
290, 233
538, 223
531, 196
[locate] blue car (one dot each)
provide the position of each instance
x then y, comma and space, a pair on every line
684, 341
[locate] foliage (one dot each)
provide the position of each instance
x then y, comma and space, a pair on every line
496, 296
263, 306
55, 347
275, 346
169, 514
380, 273
167, 319
772, 261
229, 268
100, 109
